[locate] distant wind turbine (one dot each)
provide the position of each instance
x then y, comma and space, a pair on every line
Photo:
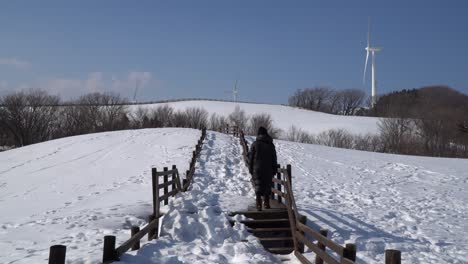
372, 50
234, 91
137, 84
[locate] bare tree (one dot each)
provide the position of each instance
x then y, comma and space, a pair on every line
238, 118
262, 120
335, 138
139, 118
217, 122
298, 135
29, 116
397, 135
350, 100
197, 117
162, 116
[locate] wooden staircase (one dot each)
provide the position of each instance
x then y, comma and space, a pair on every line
270, 226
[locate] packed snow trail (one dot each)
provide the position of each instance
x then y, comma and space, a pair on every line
418, 205
195, 227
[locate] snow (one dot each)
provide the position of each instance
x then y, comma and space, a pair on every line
75, 190
283, 116
418, 205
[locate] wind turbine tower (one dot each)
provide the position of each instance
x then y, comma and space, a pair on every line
234, 92
372, 50
137, 84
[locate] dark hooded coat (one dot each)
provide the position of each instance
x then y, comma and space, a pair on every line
263, 162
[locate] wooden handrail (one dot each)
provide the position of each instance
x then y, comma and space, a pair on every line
166, 184
165, 173
280, 193
325, 241
316, 249
169, 194
137, 237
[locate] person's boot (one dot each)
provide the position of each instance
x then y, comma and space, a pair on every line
259, 203
266, 202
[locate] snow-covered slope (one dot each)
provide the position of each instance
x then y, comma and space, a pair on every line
284, 116
418, 205
75, 190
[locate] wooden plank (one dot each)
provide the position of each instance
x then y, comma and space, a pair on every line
392, 256
136, 238
275, 180
323, 240
179, 186
173, 187
278, 193
328, 259
166, 187
324, 233
154, 182
347, 261
167, 195
163, 173
166, 184
301, 258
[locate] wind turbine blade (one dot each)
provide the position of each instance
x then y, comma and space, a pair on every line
368, 34
365, 67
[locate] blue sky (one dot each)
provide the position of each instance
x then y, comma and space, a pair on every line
180, 49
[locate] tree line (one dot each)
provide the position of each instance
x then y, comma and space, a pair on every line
34, 116
328, 100
429, 121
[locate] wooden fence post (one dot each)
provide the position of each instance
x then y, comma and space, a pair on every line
166, 188
288, 168
174, 167
302, 220
350, 252
109, 253
134, 231
57, 254
152, 231
324, 233
155, 183
392, 256
184, 183
278, 185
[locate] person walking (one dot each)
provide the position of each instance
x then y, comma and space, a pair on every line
262, 166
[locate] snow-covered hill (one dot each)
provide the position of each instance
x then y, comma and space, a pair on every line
75, 190
283, 116
418, 205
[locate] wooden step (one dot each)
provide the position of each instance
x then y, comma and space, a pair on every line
266, 223
265, 214
270, 232
269, 242
280, 250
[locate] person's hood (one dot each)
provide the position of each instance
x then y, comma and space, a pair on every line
265, 138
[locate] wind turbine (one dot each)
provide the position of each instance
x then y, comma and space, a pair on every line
234, 92
137, 84
372, 50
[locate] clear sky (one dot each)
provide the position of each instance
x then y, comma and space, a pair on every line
180, 49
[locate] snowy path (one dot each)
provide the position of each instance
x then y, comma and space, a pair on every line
414, 204
195, 228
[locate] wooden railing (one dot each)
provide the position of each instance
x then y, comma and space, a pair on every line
304, 236
170, 186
